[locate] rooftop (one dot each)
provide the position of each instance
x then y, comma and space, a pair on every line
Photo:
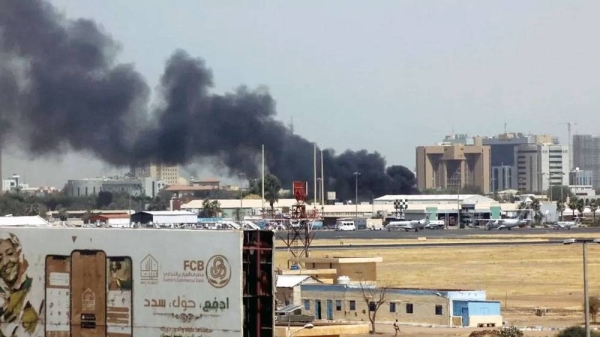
190, 188
168, 212
290, 281
22, 221
340, 259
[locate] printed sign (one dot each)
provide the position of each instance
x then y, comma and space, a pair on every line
218, 272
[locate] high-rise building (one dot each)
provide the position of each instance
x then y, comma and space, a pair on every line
541, 165
502, 156
586, 155
169, 174
453, 165
581, 177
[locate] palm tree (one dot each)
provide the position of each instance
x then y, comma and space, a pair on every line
593, 208
580, 207
272, 188
573, 205
560, 207
210, 209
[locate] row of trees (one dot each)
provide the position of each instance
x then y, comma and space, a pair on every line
21, 204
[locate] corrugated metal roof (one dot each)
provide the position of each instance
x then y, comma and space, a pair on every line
288, 308
290, 281
22, 221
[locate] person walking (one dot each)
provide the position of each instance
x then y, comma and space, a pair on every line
396, 328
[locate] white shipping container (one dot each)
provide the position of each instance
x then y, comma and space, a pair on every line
68, 282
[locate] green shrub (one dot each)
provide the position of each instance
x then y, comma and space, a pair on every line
511, 332
576, 331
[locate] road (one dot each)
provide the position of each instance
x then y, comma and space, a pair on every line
444, 234
425, 244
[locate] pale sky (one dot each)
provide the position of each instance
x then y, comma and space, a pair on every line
386, 76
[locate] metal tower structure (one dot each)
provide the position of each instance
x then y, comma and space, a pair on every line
298, 235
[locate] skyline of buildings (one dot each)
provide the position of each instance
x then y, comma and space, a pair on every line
514, 160
503, 162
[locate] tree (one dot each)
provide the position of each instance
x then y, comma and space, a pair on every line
210, 209
576, 331
272, 188
594, 302
573, 205
374, 298
104, 199
62, 214
560, 208
593, 208
580, 205
511, 332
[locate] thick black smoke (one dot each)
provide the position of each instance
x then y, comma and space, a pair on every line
60, 89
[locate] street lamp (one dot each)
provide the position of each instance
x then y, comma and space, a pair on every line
561, 190
242, 175
307, 326
586, 300
356, 174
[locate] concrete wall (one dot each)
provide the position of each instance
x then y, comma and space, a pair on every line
284, 296
423, 305
477, 313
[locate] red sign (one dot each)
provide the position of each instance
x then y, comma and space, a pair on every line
300, 190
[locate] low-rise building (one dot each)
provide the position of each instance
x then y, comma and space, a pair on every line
443, 307
288, 288
334, 269
133, 186
165, 217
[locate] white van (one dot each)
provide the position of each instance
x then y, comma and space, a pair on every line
345, 225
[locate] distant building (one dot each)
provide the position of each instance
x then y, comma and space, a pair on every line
169, 174
541, 165
135, 187
581, 177
586, 156
502, 156
13, 183
453, 165
583, 191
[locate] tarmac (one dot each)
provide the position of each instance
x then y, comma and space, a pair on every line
445, 233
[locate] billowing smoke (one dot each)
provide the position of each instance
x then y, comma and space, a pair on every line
61, 89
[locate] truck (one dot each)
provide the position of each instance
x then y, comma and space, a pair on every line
116, 282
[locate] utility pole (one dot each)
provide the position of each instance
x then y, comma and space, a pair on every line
569, 125
356, 174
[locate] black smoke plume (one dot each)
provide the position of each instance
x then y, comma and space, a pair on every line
61, 89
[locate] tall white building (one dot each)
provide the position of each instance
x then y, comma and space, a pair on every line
539, 166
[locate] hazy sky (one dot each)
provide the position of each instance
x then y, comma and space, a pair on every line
381, 75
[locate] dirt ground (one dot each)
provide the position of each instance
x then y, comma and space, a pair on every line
522, 278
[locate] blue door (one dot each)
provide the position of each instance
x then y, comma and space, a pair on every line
465, 316
330, 310
317, 309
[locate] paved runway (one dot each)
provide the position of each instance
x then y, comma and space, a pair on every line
445, 234
421, 245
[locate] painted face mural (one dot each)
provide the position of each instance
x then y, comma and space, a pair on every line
16, 307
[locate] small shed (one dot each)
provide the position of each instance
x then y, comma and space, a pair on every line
288, 288
22, 221
477, 313
165, 217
